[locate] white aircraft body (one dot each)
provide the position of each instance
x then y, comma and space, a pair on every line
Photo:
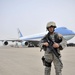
34, 39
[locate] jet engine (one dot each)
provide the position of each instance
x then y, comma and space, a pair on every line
5, 42
25, 43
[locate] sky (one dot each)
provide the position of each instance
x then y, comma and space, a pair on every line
32, 16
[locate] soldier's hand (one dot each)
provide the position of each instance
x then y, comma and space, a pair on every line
45, 44
56, 45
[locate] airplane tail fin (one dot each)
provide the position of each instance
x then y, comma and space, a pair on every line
19, 33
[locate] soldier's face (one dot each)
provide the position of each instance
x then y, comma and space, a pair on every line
51, 29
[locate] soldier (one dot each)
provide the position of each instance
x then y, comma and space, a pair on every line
59, 43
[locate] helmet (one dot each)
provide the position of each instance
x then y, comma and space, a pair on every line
49, 24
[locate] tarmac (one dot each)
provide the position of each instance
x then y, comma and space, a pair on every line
27, 61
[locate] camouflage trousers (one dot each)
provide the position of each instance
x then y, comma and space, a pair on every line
57, 65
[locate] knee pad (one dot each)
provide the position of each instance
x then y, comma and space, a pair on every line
48, 64
45, 63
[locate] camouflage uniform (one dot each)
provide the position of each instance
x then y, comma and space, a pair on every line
49, 57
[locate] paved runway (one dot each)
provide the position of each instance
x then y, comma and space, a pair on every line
27, 61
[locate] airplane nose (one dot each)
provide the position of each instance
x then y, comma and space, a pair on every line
64, 31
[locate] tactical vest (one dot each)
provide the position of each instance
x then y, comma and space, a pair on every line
57, 39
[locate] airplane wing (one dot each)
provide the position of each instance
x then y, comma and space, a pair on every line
24, 42
12, 40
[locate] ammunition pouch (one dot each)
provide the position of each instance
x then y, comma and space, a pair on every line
44, 48
45, 63
60, 47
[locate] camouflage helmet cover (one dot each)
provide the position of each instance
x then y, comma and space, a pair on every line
49, 24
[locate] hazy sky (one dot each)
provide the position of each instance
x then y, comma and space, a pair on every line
31, 16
